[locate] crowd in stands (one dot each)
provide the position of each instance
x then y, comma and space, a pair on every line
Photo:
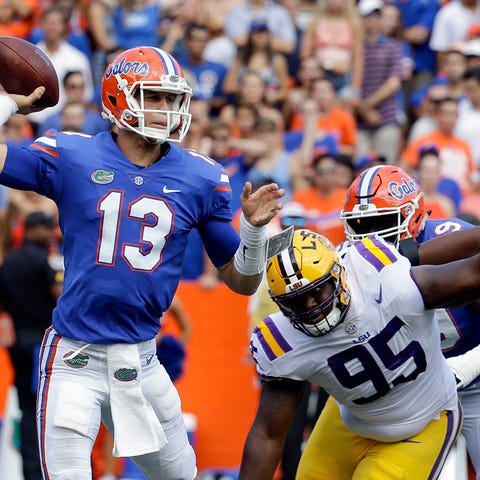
304, 93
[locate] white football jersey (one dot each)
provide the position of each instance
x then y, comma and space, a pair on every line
383, 364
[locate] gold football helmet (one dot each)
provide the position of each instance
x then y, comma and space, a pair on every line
307, 282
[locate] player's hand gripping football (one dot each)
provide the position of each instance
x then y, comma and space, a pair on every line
25, 102
261, 206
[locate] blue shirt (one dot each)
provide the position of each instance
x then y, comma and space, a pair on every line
421, 13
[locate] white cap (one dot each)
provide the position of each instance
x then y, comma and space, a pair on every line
367, 7
471, 48
293, 209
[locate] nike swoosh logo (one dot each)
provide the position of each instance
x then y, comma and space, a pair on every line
407, 440
380, 296
168, 190
149, 359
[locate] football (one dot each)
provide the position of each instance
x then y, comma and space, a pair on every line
24, 67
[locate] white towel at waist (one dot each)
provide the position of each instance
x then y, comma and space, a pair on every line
137, 430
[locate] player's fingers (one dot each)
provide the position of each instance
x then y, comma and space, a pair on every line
247, 190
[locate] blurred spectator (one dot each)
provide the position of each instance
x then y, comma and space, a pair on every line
335, 36
377, 118
469, 114
471, 52
18, 130
279, 22
324, 199
429, 177
30, 272
136, 23
371, 159
313, 141
454, 67
253, 91
425, 122
345, 170
276, 164
258, 56
213, 13
101, 30
75, 13
471, 202
309, 70
200, 122
455, 154
294, 8
392, 28
331, 117
451, 26
417, 20
206, 78
222, 149
64, 57
17, 17
91, 121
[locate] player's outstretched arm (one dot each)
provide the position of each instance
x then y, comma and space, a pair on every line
12, 103
449, 285
243, 273
451, 247
265, 441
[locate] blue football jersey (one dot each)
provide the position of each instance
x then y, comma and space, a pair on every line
125, 227
458, 326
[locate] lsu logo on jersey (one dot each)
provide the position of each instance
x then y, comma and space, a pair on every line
138, 68
403, 189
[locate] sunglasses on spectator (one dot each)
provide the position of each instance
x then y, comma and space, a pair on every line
324, 171
296, 221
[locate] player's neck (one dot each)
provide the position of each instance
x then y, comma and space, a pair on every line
138, 151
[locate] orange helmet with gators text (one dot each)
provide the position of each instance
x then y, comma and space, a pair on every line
124, 83
386, 201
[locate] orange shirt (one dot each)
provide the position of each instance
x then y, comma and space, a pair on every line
323, 213
455, 155
338, 121
19, 27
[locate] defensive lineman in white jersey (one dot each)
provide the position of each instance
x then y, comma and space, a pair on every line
360, 328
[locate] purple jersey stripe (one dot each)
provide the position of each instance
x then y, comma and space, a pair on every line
375, 253
268, 351
286, 347
454, 423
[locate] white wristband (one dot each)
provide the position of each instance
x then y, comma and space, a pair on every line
7, 108
250, 256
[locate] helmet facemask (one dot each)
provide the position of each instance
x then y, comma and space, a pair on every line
391, 223
325, 315
133, 117
307, 282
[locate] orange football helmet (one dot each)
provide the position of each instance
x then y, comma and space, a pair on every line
124, 82
386, 201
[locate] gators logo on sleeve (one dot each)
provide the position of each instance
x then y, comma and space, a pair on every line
272, 341
375, 252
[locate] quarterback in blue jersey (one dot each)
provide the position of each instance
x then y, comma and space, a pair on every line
386, 201
127, 200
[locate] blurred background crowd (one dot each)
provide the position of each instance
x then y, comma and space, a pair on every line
303, 93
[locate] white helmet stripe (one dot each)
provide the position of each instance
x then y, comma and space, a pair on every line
288, 264
365, 187
167, 62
